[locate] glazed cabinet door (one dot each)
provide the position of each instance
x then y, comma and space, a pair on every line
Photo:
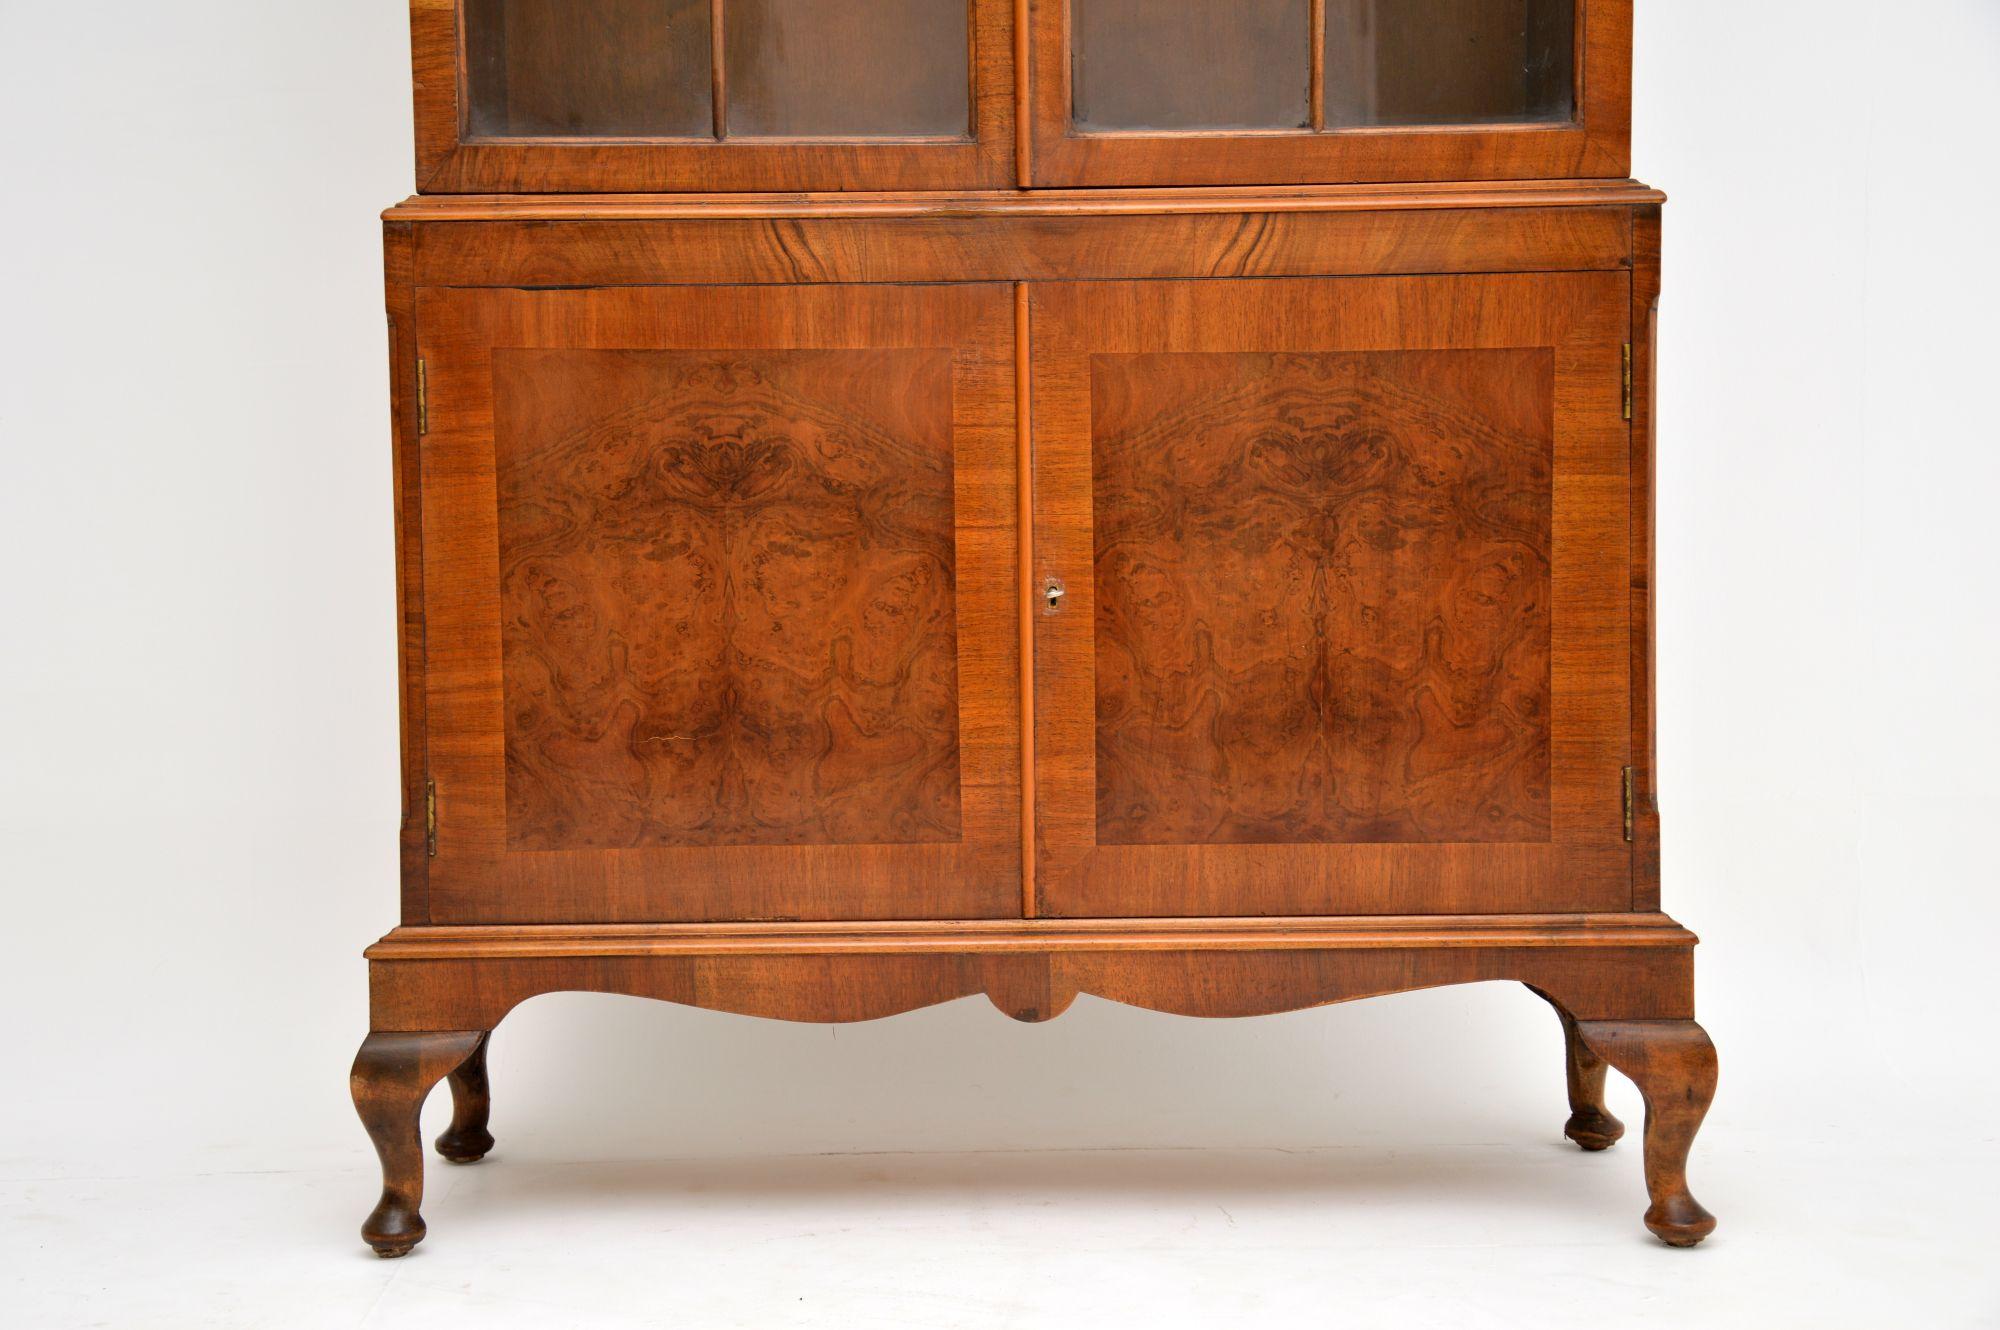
520, 96
1245, 92
1334, 612
720, 603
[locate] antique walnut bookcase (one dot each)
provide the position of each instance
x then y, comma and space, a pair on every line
905, 499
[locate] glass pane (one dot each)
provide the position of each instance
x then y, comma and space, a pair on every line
847, 68
583, 68
1449, 62
1191, 64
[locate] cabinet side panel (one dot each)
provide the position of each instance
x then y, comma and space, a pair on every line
434, 83
1645, 729
398, 255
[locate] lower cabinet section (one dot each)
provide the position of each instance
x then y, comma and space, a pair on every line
1232, 641
1325, 582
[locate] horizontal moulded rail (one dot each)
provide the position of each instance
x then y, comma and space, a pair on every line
1025, 203
1031, 936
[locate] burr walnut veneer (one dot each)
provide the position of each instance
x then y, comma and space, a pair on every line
1162, 510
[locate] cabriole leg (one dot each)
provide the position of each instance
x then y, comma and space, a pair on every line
392, 1075
1673, 1064
1590, 1124
467, 1140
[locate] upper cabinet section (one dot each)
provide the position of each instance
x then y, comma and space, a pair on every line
1268, 92
696, 96
593, 96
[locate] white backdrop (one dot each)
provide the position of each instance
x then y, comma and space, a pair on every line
197, 705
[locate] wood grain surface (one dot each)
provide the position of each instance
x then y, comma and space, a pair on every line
1590, 1124
1644, 607
1322, 596
1674, 1065
391, 1076
449, 160
1022, 242
1540, 404
1608, 979
722, 618
400, 302
1450, 62
727, 597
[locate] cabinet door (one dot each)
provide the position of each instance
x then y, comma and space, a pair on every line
691, 95
721, 618
1344, 623
1245, 92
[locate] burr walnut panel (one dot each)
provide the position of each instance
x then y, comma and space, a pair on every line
727, 597
1323, 597
722, 619
1346, 616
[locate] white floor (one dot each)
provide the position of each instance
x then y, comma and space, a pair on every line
1541, 1235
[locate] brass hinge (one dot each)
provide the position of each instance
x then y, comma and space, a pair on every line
1630, 780
1628, 381
424, 399
431, 819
